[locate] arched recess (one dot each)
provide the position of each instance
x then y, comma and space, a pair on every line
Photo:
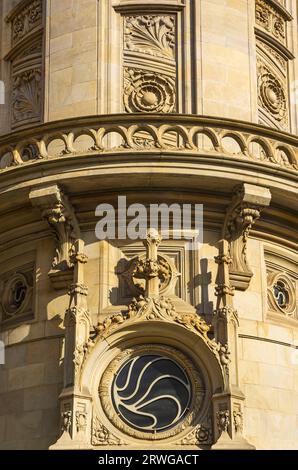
186, 347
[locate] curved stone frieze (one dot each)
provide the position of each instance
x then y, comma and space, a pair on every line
151, 134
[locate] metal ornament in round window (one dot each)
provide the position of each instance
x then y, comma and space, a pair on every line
151, 392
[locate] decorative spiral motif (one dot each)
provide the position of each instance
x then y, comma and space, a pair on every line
272, 95
148, 92
151, 393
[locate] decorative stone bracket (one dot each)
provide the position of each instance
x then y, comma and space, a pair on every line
59, 214
244, 210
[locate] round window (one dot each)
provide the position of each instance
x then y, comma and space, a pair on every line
151, 392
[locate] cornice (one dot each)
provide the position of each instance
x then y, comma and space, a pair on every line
272, 42
30, 39
17, 9
129, 7
280, 9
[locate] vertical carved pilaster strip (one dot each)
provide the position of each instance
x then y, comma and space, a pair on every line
233, 272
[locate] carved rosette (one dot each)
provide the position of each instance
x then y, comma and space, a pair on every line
148, 92
271, 94
101, 436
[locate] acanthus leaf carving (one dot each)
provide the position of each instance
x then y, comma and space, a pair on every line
26, 96
150, 34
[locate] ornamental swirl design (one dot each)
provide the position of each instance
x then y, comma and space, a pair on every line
151, 393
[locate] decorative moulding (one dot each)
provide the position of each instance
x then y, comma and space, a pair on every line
280, 9
29, 40
272, 42
134, 6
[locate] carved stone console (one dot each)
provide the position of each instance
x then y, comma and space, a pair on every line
58, 213
244, 210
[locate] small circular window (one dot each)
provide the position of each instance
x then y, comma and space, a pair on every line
151, 392
281, 294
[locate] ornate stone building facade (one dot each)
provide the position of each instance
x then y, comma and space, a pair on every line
130, 344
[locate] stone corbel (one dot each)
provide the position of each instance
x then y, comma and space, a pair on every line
58, 212
245, 209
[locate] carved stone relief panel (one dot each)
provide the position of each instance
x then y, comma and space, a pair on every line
272, 63
26, 63
272, 96
29, 18
270, 19
16, 300
149, 63
121, 267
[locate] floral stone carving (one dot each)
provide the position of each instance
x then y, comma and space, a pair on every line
28, 19
148, 92
271, 94
154, 35
26, 96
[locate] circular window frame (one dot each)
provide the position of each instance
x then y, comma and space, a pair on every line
195, 376
286, 281
17, 277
